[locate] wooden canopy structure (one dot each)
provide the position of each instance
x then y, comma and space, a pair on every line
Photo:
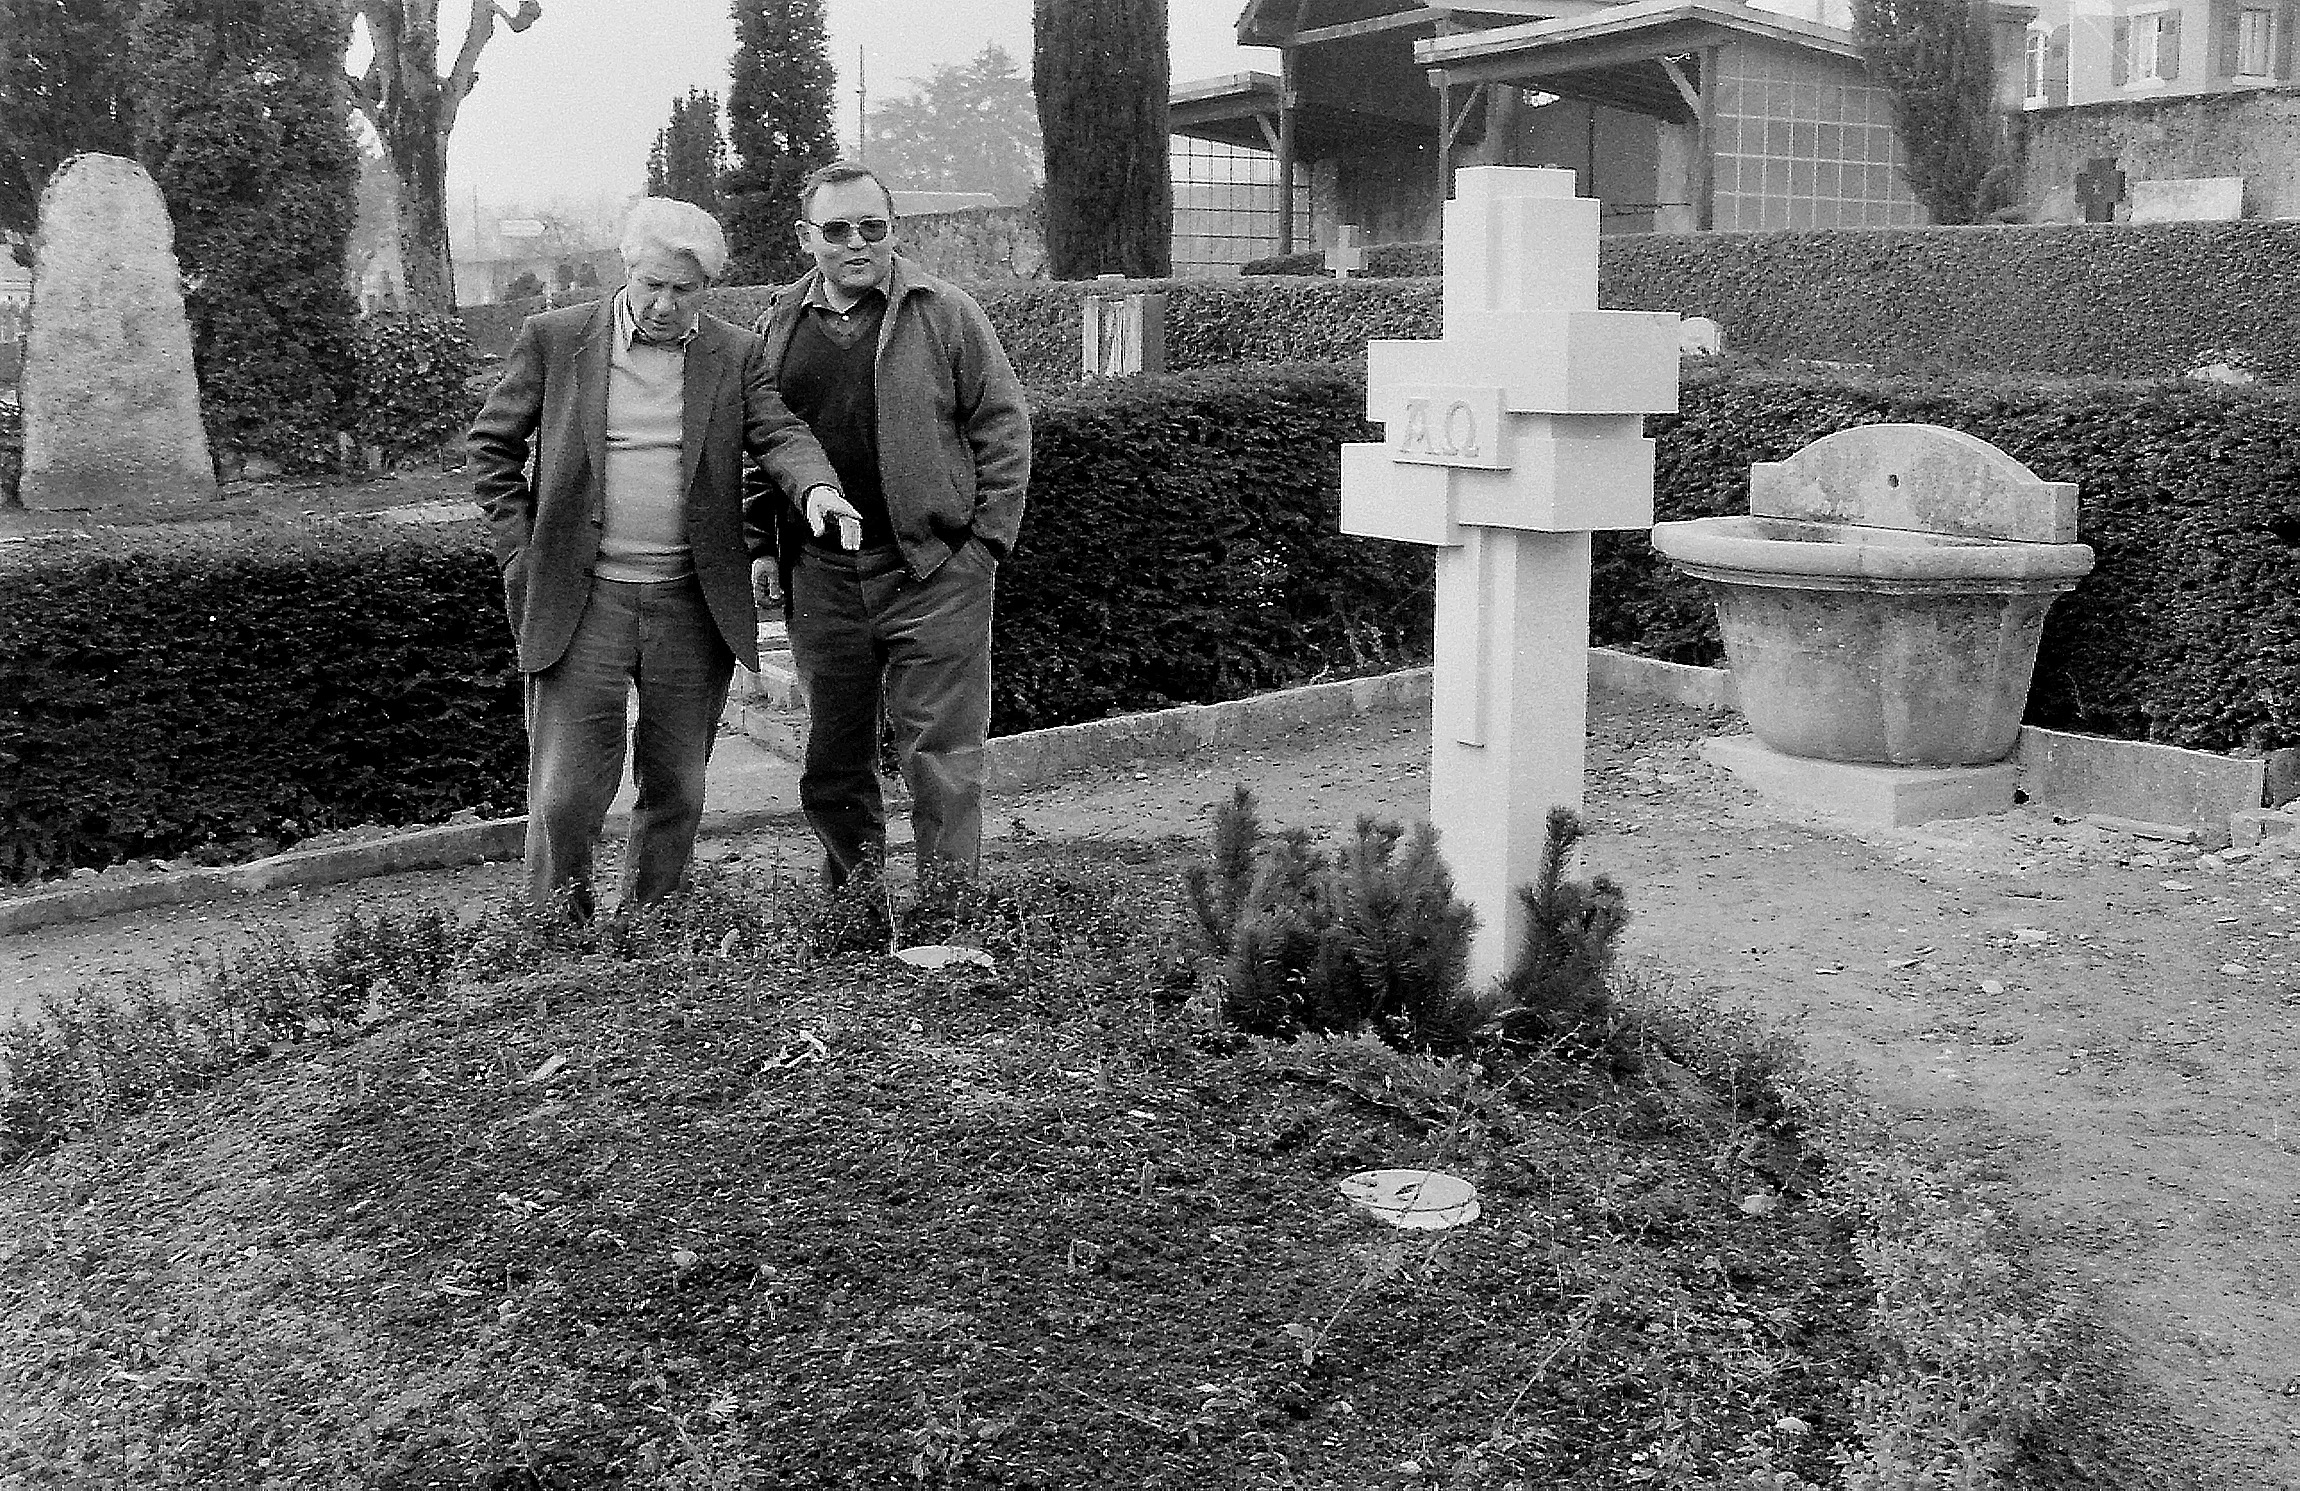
1360, 72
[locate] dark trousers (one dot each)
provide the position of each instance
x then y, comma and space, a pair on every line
862, 629
661, 639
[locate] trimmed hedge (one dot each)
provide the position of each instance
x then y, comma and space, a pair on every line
1391, 261
2114, 300
166, 690
160, 693
2188, 630
1182, 546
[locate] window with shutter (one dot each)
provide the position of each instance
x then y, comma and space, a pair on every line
2056, 68
2221, 22
2146, 50
2168, 45
2255, 42
2280, 64
2120, 53
2032, 87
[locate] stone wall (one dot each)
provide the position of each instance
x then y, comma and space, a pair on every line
2253, 134
977, 243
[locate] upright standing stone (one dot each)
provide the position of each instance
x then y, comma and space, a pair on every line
1508, 441
111, 407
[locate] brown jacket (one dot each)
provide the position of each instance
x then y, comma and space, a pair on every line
953, 424
553, 400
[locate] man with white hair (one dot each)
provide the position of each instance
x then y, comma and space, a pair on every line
626, 544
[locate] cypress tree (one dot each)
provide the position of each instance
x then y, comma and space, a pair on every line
779, 128
1937, 59
689, 154
243, 122
1100, 72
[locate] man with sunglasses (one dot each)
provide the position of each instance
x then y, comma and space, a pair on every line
887, 583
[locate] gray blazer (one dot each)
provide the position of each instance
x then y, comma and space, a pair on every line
545, 516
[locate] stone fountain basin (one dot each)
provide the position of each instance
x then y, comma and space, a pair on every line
1890, 646
1793, 551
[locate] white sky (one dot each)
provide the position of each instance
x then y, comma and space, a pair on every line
567, 109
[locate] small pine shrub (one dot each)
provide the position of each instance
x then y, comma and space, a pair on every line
1559, 989
1369, 939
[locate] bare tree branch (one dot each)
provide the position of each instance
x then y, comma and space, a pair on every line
465, 74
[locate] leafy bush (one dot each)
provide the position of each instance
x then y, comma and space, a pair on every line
413, 377
242, 122
161, 691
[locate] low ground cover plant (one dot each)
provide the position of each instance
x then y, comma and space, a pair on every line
704, 1200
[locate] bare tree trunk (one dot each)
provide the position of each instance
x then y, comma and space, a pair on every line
413, 110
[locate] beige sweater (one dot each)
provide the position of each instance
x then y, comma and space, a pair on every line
644, 536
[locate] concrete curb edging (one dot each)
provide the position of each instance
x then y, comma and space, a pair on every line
444, 847
1036, 757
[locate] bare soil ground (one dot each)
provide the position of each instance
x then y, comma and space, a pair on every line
2108, 1021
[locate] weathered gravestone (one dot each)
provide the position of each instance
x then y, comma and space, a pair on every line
111, 407
1508, 440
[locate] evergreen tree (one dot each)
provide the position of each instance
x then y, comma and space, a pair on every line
64, 88
689, 154
1937, 59
413, 110
971, 128
779, 128
241, 120
1100, 72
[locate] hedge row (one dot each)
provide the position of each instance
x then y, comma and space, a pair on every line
2122, 300
2129, 300
163, 690
1182, 545
2187, 631
161, 693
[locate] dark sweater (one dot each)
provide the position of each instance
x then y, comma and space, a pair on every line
827, 381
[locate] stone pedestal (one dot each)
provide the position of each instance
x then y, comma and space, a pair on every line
111, 407
1877, 796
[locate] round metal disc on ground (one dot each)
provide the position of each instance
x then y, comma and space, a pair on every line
1423, 1200
943, 955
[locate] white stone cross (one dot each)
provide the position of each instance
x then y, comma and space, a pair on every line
1349, 255
1509, 440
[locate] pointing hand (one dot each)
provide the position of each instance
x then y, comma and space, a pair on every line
824, 507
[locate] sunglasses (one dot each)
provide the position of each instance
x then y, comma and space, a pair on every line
839, 230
